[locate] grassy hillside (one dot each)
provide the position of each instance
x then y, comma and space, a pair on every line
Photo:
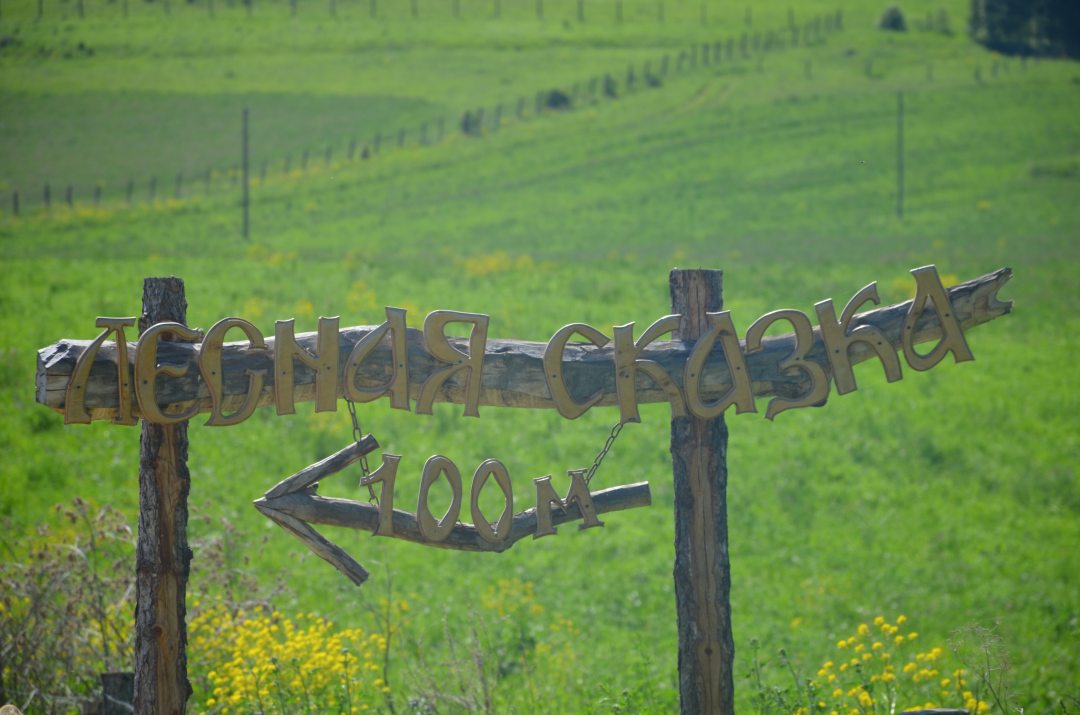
950, 497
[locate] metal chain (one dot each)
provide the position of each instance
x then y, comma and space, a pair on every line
358, 434
603, 451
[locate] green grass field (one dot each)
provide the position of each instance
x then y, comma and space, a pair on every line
951, 497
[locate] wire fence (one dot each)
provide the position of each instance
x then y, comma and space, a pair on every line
702, 12
477, 122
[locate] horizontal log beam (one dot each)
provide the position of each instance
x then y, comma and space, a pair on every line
513, 372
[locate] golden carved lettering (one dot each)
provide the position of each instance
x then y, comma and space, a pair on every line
928, 287
386, 474
440, 348
492, 533
431, 529
398, 384
838, 339
739, 393
75, 394
213, 374
147, 370
804, 341
627, 364
553, 375
324, 362
578, 492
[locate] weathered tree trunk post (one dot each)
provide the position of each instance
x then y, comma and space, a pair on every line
162, 556
702, 566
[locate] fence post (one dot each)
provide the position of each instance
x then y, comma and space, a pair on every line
47, 195
702, 567
97, 195
178, 190
900, 155
162, 556
69, 196
153, 188
245, 156
15, 202
130, 191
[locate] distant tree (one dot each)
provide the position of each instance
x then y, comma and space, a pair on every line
1044, 27
892, 19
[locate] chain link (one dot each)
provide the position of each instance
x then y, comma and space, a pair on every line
603, 451
358, 434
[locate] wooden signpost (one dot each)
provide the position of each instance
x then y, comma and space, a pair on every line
174, 373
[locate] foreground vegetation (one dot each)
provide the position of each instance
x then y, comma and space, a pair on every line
950, 498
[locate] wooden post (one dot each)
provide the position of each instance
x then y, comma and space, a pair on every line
702, 567
162, 556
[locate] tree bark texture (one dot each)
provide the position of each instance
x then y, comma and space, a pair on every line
162, 556
702, 567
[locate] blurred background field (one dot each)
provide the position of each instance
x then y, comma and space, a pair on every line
950, 497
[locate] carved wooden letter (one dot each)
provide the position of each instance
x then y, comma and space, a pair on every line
627, 364
553, 353
804, 340
739, 394
837, 340
928, 286
492, 533
147, 370
578, 492
75, 395
398, 386
386, 474
545, 497
431, 529
439, 347
212, 373
324, 361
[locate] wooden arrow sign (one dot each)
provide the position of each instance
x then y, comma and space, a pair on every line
294, 505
